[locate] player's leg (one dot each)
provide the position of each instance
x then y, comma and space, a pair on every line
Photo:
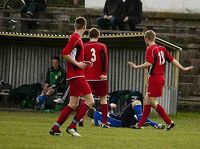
137, 107
89, 102
156, 91
101, 89
73, 104
104, 110
146, 111
163, 114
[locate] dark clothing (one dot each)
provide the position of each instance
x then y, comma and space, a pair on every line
113, 7
25, 92
133, 9
56, 77
124, 96
127, 116
108, 24
34, 6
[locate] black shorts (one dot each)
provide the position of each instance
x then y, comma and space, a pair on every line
128, 116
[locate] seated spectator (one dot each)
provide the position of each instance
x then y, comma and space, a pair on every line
55, 81
113, 10
33, 7
132, 12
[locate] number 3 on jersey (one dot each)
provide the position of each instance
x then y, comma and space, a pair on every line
161, 58
94, 57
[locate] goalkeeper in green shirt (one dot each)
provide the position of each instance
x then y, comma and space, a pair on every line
55, 81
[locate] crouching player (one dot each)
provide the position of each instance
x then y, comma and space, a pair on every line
78, 86
156, 57
131, 114
96, 76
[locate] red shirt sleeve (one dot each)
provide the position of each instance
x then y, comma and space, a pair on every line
168, 56
149, 55
70, 45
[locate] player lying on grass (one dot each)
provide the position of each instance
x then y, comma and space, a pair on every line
128, 118
78, 86
96, 52
156, 57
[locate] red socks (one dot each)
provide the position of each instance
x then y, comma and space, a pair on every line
64, 115
79, 115
146, 112
104, 110
163, 114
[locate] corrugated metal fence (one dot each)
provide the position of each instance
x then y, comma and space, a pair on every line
26, 64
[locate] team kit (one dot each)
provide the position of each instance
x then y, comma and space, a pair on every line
87, 69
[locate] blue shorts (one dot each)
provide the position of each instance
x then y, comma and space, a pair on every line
112, 121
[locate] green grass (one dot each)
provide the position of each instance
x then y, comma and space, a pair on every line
26, 130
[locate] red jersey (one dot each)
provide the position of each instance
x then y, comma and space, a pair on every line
157, 55
97, 53
74, 48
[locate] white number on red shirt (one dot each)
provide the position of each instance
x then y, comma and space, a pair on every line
94, 57
161, 57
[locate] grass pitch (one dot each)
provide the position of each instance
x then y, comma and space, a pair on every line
27, 130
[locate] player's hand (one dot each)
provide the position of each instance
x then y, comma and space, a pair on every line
89, 63
109, 17
105, 17
81, 65
132, 65
45, 90
188, 68
126, 19
103, 77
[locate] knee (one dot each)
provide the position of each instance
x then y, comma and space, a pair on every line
99, 20
154, 105
113, 106
146, 100
103, 100
50, 92
114, 20
90, 102
73, 105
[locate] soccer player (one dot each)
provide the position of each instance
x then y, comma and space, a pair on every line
74, 55
96, 52
156, 57
128, 118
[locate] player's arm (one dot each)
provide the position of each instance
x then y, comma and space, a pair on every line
177, 64
145, 65
68, 58
68, 49
104, 62
170, 58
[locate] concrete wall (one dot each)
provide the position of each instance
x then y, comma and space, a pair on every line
179, 6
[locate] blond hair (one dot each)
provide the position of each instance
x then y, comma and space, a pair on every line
150, 35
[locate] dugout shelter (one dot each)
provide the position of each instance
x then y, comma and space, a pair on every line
24, 59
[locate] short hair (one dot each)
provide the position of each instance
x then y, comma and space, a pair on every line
94, 33
80, 22
150, 35
56, 58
